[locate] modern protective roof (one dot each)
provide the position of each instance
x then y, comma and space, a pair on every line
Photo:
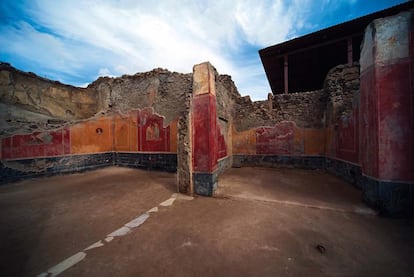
301, 64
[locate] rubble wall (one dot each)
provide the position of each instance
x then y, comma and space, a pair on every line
48, 127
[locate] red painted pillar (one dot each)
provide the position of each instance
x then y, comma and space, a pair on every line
387, 113
204, 129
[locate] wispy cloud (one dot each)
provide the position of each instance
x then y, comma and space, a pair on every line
118, 37
77, 41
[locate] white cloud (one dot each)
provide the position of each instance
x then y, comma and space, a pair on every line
119, 37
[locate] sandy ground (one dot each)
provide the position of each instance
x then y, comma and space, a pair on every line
262, 222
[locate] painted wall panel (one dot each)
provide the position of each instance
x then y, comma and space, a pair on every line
126, 132
282, 139
205, 133
222, 146
92, 136
314, 141
37, 144
153, 136
244, 142
347, 139
368, 127
396, 121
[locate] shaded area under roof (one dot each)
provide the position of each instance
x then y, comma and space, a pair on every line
301, 64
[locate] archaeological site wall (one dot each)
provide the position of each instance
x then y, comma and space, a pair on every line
48, 127
359, 126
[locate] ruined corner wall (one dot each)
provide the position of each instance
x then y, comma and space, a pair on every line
298, 128
226, 93
159, 89
47, 127
287, 124
46, 97
342, 85
30, 103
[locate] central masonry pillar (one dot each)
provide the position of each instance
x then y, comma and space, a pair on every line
204, 129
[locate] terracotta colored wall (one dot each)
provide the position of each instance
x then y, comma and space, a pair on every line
142, 130
139, 130
244, 142
87, 138
126, 132
314, 140
285, 138
37, 144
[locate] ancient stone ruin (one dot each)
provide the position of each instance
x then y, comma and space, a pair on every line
359, 125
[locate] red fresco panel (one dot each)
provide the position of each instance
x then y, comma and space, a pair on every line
396, 121
368, 130
222, 147
347, 138
37, 144
154, 137
55, 147
277, 140
6, 148
66, 141
205, 133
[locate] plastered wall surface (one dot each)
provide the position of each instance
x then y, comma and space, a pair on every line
386, 117
358, 126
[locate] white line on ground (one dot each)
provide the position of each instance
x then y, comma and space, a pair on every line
168, 202
109, 239
153, 210
62, 266
124, 230
120, 232
137, 221
95, 245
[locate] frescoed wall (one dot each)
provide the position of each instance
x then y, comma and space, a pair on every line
37, 144
138, 131
92, 136
152, 135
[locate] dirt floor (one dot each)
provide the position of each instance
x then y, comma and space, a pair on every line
262, 222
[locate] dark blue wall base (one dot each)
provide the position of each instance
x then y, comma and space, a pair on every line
349, 172
205, 183
308, 162
152, 161
390, 198
224, 164
16, 170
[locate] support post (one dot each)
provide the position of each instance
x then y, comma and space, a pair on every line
204, 133
286, 74
350, 51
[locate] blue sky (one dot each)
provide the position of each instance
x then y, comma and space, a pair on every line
75, 42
